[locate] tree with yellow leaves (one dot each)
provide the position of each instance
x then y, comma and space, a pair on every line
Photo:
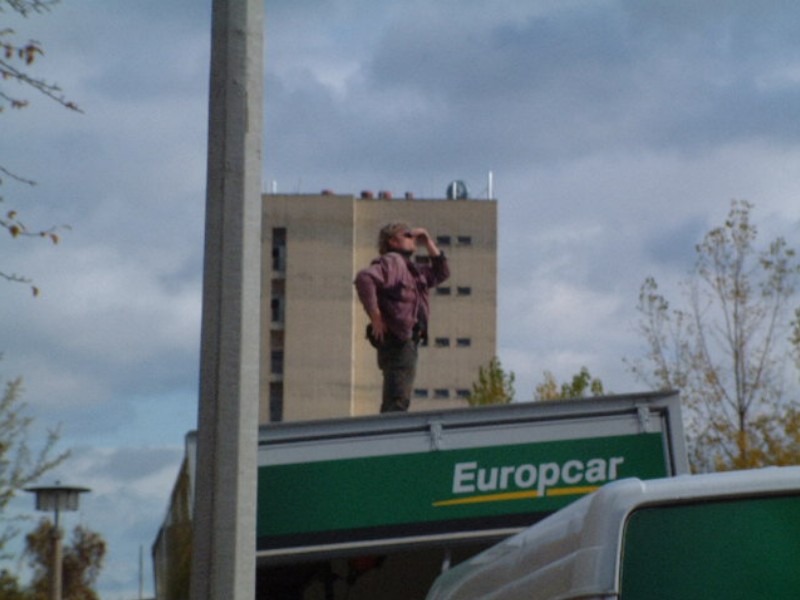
494, 385
726, 350
82, 560
582, 383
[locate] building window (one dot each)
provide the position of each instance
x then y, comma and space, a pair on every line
442, 291
463, 394
276, 310
276, 362
442, 342
276, 338
276, 401
443, 240
463, 342
441, 393
464, 290
279, 249
465, 240
420, 393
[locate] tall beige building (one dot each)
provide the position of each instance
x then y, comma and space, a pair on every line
316, 361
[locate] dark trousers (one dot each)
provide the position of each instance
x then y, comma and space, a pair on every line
398, 361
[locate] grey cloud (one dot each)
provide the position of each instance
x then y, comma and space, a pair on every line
674, 245
591, 79
130, 464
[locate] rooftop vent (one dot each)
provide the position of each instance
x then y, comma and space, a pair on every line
457, 190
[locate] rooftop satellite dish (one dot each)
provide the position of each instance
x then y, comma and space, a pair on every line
457, 190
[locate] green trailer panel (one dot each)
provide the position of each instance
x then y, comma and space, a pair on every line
414, 489
327, 488
737, 549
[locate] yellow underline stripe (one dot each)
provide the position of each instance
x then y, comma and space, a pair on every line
587, 489
487, 498
568, 491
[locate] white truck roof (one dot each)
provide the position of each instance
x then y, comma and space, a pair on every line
575, 552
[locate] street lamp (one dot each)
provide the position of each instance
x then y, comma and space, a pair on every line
56, 498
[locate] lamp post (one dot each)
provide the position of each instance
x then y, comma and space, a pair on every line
56, 498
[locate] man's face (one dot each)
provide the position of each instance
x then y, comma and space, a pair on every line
403, 241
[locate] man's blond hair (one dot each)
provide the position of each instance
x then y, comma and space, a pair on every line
386, 233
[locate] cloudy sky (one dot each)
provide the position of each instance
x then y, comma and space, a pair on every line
618, 132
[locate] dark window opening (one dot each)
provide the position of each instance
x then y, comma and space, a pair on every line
276, 362
276, 339
279, 249
276, 401
276, 309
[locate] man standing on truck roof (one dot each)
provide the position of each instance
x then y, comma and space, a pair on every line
394, 293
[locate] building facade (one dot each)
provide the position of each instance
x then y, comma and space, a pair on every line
316, 361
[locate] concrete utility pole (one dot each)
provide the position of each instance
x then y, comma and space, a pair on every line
224, 535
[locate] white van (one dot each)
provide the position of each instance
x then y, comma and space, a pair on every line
720, 536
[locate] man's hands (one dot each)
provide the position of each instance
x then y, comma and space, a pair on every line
378, 326
421, 236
